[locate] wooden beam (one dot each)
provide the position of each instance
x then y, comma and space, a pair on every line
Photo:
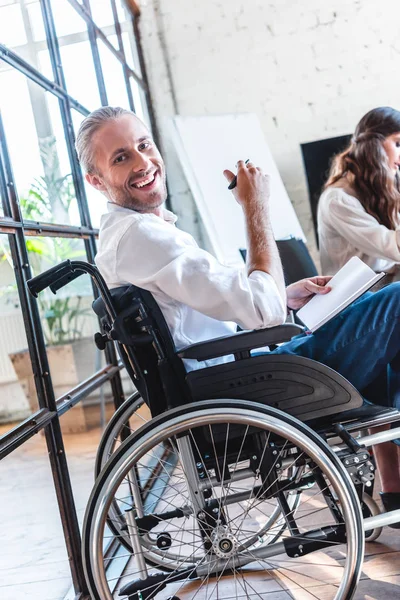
134, 7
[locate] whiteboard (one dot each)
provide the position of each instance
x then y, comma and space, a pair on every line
208, 145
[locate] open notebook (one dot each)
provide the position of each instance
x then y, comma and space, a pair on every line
353, 280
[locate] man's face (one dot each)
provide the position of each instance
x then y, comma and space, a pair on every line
130, 170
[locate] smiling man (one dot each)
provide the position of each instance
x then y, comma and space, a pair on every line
203, 299
139, 243
127, 167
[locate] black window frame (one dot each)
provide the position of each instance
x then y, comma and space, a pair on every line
17, 228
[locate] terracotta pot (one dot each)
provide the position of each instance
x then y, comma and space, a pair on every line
69, 365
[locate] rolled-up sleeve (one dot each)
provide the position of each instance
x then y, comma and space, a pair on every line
168, 261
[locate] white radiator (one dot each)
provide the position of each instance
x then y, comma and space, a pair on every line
13, 338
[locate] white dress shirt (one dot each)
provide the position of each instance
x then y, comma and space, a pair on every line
345, 229
200, 298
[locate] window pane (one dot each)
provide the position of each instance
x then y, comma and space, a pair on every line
68, 320
34, 558
36, 21
105, 21
67, 19
113, 77
76, 55
21, 28
81, 448
127, 383
12, 29
44, 64
81, 82
15, 105
96, 201
2, 193
97, 204
17, 399
102, 15
130, 47
39, 156
124, 14
140, 102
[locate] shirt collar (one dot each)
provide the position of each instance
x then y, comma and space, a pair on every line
167, 215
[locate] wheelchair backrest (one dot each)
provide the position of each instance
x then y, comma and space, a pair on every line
296, 259
145, 346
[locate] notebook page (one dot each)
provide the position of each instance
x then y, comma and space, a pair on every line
352, 277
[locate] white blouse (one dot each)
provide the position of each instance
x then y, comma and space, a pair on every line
345, 229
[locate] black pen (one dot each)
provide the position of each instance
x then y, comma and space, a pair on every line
234, 180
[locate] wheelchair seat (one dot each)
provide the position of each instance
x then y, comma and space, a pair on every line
299, 386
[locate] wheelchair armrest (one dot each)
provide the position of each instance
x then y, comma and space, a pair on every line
241, 342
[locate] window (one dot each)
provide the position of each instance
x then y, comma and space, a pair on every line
38, 150
22, 30
59, 59
15, 402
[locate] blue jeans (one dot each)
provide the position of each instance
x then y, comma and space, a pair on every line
362, 343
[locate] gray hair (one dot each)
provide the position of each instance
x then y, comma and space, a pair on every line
88, 128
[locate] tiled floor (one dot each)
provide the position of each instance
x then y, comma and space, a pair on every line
33, 560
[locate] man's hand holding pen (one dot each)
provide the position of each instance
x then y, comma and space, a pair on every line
252, 192
233, 182
251, 184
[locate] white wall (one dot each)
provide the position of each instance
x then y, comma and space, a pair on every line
309, 70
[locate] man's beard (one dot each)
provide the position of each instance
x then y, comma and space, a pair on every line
143, 205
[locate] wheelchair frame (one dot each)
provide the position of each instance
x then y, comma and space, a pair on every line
146, 349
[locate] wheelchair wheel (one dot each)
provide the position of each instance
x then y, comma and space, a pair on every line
131, 415
199, 484
125, 421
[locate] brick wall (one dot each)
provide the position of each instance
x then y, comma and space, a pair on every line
309, 70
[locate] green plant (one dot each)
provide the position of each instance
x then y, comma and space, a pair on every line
63, 319
49, 199
50, 195
62, 315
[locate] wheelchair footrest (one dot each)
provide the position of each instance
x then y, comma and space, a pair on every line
148, 522
148, 588
317, 539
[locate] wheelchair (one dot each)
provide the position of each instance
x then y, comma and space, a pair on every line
245, 474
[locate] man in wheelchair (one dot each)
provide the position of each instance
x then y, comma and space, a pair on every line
202, 299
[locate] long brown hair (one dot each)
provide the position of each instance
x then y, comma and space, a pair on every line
365, 162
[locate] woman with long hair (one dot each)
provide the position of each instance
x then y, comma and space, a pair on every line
358, 215
358, 212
